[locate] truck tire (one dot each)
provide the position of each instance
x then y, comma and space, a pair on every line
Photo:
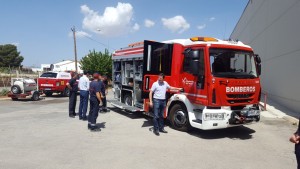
127, 99
35, 96
15, 89
48, 94
66, 92
179, 118
14, 99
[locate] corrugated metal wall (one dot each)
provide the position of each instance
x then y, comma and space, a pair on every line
272, 28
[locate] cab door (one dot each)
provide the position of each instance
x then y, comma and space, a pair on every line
193, 76
157, 59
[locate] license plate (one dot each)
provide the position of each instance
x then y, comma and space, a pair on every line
252, 113
47, 88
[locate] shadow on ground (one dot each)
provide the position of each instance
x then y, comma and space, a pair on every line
240, 133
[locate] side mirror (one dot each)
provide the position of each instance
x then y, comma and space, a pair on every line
257, 58
259, 69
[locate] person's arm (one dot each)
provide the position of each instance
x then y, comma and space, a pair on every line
98, 95
150, 98
175, 88
69, 84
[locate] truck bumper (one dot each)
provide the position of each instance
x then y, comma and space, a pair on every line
209, 119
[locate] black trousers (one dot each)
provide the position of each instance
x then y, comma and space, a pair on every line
104, 103
72, 103
93, 113
298, 159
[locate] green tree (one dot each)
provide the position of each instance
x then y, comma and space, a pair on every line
9, 56
97, 61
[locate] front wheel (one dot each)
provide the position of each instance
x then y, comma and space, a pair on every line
66, 92
35, 96
179, 118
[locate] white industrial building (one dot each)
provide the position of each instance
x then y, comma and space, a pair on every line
66, 65
272, 28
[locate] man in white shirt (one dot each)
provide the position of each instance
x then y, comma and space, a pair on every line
84, 86
158, 102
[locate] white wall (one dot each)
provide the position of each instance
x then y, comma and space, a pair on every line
67, 67
272, 28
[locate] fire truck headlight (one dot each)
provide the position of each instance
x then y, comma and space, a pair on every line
214, 116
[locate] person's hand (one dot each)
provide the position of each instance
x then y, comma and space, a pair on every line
151, 104
295, 138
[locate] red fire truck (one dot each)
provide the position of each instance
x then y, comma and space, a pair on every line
220, 81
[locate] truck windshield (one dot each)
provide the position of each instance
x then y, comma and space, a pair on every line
49, 74
232, 63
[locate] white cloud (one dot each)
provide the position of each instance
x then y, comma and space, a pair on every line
113, 22
136, 27
201, 26
211, 18
149, 23
176, 24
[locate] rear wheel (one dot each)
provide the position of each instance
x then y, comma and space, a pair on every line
15, 89
35, 96
48, 94
179, 118
66, 92
128, 99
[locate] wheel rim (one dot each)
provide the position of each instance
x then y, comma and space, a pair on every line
180, 118
128, 101
35, 97
15, 90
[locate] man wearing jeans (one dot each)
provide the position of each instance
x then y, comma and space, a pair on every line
158, 102
84, 85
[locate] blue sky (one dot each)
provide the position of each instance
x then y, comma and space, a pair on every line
42, 29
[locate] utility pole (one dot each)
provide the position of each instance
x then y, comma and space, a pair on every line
75, 51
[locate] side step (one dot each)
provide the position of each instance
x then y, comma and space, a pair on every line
123, 106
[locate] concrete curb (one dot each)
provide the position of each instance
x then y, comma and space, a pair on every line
286, 115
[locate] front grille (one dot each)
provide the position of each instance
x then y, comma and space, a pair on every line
239, 96
240, 101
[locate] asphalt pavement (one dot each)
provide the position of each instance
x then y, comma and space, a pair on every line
41, 135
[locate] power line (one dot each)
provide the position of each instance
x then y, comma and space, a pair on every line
98, 42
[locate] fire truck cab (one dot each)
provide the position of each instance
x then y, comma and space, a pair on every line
220, 81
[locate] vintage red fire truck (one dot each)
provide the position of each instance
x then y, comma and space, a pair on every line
54, 82
220, 81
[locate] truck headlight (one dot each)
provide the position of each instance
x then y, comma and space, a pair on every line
214, 116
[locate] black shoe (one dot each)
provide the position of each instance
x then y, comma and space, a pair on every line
163, 131
71, 116
84, 118
74, 114
156, 132
89, 126
95, 129
80, 118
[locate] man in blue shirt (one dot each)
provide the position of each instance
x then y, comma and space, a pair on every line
158, 91
95, 100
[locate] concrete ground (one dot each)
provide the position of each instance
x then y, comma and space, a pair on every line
41, 135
